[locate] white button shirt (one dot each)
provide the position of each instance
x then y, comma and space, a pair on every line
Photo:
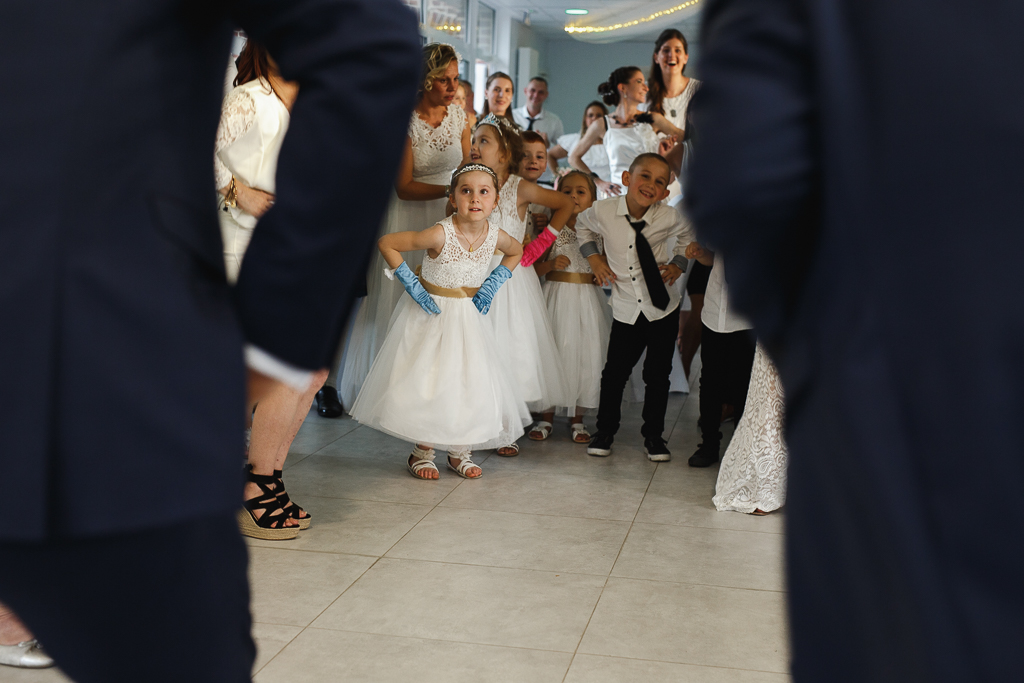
545, 122
609, 219
717, 314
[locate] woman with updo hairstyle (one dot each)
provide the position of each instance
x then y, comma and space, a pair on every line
627, 131
498, 94
464, 98
437, 143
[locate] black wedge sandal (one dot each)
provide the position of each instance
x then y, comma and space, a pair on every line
292, 509
268, 526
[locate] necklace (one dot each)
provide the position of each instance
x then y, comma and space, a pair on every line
472, 245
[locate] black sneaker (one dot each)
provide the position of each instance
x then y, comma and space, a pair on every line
601, 445
705, 456
656, 450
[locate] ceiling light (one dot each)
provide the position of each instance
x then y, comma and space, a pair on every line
577, 11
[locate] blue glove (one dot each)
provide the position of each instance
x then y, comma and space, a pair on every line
415, 288
489, 288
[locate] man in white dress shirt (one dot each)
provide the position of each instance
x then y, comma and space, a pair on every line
636, 229
727, 355
533, 116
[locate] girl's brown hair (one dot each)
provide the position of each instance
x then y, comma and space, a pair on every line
656, 81
595, 103
587, 178
487, 107
510, 140
253, 63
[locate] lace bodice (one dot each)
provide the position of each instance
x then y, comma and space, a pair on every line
625, 144
237, 118
568, 245
456, 267
675, 107
436, 152
506, 212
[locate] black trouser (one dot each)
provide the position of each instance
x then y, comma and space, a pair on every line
162, 605
726, 359
625, 347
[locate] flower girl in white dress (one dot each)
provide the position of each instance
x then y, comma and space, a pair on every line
438, 379
520, 318
580, 315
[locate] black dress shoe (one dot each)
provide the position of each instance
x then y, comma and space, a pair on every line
706, 456
327, 403
601, 445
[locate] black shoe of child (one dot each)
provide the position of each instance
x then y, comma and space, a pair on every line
705, 456
601, 445
656, 450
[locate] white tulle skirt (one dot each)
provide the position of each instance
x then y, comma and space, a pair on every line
370, 324
525, 340
439, 380
581, 320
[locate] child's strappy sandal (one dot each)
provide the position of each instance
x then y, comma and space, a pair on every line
464, 458
543, 429
513, 447
270, 525
294, 511
424, 461
580, 433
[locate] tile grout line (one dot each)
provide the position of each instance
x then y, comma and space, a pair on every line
609, 575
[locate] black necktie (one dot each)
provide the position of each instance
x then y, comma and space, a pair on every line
649, 267
531, 120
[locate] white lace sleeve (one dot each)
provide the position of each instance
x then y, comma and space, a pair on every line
236, 119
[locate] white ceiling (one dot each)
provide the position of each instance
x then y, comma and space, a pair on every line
548, 17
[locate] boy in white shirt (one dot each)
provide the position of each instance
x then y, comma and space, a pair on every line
635, 228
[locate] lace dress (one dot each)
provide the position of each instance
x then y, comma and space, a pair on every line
436, 152
753, 471
581, 320
253, 124
438, 379
520, 318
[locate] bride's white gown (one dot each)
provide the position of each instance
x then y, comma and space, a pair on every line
753, 471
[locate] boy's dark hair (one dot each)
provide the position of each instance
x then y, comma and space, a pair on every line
647, 156
532, 136
539, 78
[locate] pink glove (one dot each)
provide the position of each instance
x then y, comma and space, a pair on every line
535, 249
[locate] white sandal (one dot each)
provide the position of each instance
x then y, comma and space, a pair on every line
578, 428
424, 461
465, 462
513, 446
544, 428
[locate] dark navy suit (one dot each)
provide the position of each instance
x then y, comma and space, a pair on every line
859, 164
122, 385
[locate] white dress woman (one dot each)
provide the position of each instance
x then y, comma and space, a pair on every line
253, 124
752, 478
440, 379
436, 152
520, 317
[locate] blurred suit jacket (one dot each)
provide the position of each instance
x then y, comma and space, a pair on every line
859, 163
122, 385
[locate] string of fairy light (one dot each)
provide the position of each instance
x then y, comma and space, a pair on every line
634, 22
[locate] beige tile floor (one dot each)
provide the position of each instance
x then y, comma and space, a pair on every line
555, 566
